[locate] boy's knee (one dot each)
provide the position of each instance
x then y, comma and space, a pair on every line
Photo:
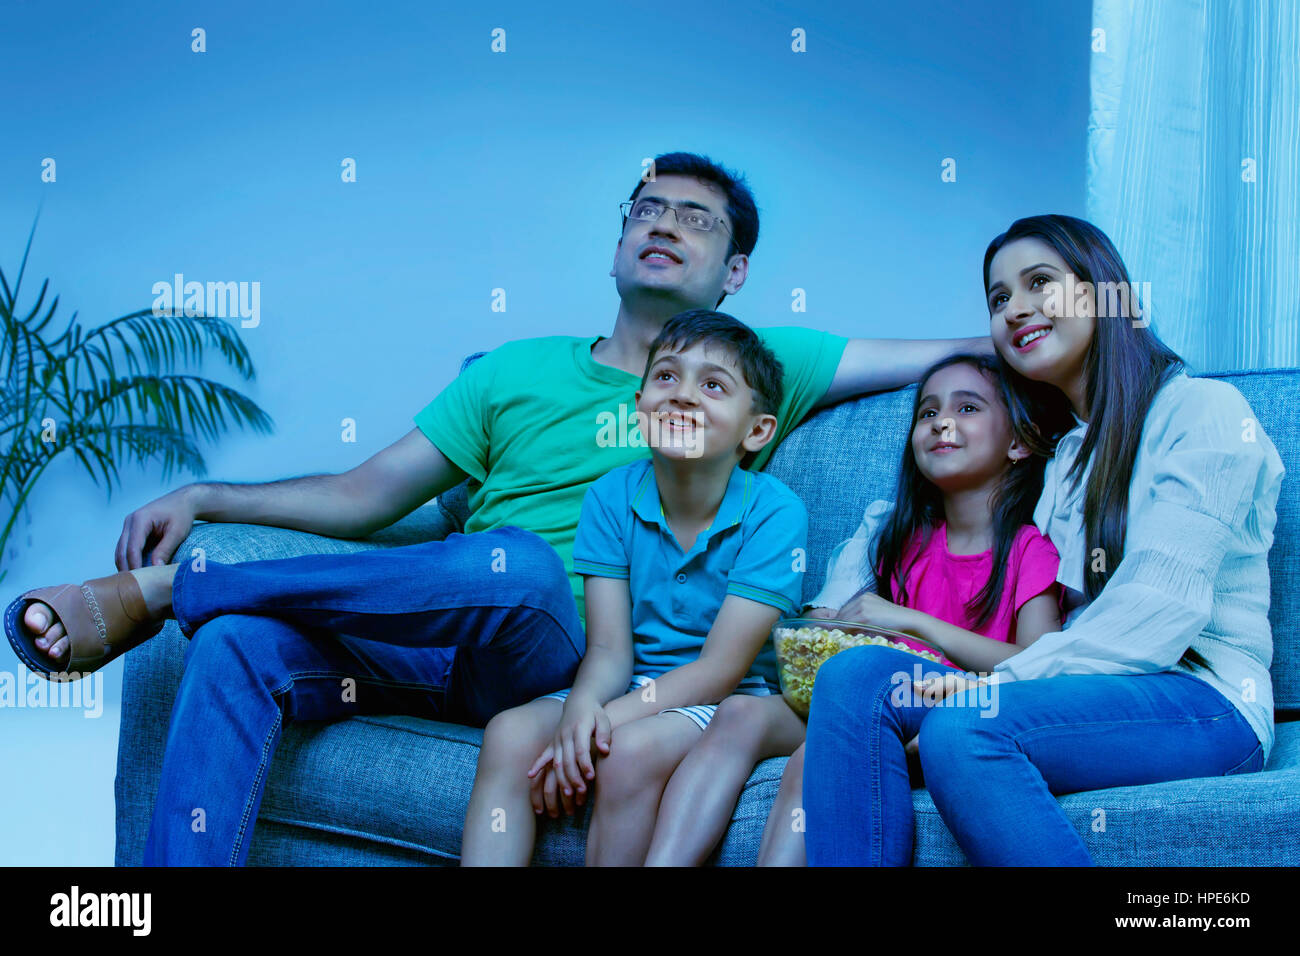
632, 762
510, 735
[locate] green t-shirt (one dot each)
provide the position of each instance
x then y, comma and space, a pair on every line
536, 421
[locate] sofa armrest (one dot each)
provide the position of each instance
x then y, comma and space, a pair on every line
152, 672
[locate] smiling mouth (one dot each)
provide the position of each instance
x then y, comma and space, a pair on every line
1033, 335
944, 447
678, 423
660, 255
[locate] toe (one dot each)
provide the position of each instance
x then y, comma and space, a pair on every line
37, 617
60, 645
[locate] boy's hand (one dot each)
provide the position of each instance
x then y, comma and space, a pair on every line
543, 792
570, 753
868, 608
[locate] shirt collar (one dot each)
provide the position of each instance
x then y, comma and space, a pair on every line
646, 503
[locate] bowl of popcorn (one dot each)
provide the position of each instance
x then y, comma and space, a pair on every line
803, 644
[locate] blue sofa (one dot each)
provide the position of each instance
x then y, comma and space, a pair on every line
393, 789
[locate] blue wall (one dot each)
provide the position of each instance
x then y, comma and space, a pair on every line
477, 170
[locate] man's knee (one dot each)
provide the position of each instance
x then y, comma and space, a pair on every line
513, 549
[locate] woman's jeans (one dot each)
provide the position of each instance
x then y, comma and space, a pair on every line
994, 757
454, 630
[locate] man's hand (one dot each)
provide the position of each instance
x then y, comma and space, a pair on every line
163, 523
866, 607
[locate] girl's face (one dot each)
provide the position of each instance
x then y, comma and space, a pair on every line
1041, 316
962, 437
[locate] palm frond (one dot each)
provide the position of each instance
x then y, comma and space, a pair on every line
154, 342
111, 391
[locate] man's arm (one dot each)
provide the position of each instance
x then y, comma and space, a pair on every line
872, 365
388, 485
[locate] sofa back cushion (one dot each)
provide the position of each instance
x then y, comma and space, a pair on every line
843, 457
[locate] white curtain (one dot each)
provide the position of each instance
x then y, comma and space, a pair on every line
1194, 170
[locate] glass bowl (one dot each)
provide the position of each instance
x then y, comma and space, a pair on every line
803, 644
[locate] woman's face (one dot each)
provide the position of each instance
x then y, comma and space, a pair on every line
1041, 316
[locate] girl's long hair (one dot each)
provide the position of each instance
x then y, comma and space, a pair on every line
1037, 420
1125, 367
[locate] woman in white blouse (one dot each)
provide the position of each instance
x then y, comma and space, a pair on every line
1162, 503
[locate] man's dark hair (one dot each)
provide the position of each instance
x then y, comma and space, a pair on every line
758, 364
740, 201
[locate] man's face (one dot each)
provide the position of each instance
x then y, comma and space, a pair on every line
670, 265
696, 404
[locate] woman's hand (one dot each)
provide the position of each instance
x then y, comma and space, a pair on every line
868, 608
937, 688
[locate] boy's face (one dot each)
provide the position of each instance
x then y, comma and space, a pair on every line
664, 260
696, 405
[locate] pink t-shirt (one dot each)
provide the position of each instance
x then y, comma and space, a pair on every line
941, 583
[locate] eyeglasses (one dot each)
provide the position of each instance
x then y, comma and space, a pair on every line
648, 210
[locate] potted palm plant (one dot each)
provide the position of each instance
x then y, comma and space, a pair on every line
108, 395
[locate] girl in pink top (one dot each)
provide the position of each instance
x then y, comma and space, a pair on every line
968, 570
971, 575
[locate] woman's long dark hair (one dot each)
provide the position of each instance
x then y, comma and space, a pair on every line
1037, 420
1125, 367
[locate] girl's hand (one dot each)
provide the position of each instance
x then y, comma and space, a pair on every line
868, 608
937, 688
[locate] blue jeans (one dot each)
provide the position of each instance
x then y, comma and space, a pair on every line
994, 763
430, 630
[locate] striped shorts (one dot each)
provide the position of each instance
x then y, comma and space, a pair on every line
699, 714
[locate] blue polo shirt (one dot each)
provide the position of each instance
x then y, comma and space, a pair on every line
755, 549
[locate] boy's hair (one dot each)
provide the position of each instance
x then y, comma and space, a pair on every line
758, 364
741, 209
919, 508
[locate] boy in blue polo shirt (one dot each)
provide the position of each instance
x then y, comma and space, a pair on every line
688, 560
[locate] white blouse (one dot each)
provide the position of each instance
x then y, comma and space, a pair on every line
1201, 513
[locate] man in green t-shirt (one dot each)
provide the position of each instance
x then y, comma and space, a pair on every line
457, 629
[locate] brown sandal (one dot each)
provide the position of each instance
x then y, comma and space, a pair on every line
102, 619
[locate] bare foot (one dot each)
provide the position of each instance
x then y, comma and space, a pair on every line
155, 586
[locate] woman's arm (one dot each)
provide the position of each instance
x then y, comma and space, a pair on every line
1208, 478
975, 652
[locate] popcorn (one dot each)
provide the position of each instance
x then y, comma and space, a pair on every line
802, 649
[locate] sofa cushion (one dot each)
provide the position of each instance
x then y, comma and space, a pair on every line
394, 790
